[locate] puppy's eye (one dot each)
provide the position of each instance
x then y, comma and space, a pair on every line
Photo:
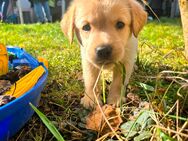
86, 27
120, 25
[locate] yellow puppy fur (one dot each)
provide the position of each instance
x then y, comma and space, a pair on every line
107, 32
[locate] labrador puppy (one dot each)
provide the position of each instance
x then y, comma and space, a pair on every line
107, 32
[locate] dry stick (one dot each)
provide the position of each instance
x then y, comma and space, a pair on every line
19, 136
185, 98
77, 129
151, 9
177, 72
103, 87
111, 118
167, 54
183, 127
169, 111
104, 136
101, 108
152, 137
178, 92
174, 78
55, 104
166, 93
175, 104
185, 124
170, 130
178, 77
45, 134
169, 77
177, 116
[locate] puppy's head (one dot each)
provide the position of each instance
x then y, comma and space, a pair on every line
103, 27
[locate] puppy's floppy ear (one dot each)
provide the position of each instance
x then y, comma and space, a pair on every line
67, 23
139, 17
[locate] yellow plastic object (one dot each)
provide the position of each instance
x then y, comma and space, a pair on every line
26, 82
3, 60
44, 61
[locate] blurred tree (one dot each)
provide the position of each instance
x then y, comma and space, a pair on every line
184, 18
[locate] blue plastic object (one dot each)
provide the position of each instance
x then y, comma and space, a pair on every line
23, 58
15, 114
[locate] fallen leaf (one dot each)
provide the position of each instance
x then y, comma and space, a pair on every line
144, 105
95, 120
130, 129
133, 99
143, 136
4, 86
146, 87
15, 74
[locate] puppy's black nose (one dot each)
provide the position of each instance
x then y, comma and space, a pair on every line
103, 52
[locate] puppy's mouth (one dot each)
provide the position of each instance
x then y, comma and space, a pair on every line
105, 63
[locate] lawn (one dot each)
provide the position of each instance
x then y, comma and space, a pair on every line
160, 64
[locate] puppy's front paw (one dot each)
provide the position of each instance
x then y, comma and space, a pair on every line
89, 102
115, 100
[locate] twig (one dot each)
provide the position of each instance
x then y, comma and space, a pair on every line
176, 72
177, 121
168, 77
53, 103
169, 111
170, 130
19, 136
183, 127
151, 10
103, 86
185, 98
173, 78
104, 136
111, 118
74, 127
178, 92
166, 93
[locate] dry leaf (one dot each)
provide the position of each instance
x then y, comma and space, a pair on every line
95, 120
4, 86
144, 105
133, 99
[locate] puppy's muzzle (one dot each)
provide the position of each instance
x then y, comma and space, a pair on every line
103, 53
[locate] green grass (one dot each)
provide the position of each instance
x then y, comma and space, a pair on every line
162, 44
161, 48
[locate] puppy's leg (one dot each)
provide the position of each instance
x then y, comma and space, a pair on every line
129, 69
116, 86
114, 96
90, 74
